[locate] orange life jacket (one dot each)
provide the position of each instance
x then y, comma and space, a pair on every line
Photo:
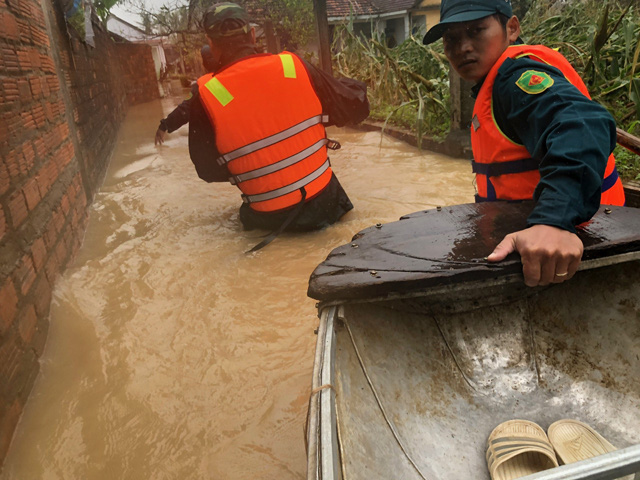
504, 169
268, 127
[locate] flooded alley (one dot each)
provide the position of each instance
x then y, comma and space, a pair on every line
172, 354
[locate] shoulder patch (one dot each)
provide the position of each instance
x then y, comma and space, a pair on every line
533, 82
189, 97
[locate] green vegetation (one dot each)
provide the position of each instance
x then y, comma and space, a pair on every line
408, 84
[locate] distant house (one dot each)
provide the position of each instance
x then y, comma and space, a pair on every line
124, 31
396, 19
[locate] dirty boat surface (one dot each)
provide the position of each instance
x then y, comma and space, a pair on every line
424, 347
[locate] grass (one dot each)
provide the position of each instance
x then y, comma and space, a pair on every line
409, 84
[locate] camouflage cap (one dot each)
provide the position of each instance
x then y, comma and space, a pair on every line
225, 20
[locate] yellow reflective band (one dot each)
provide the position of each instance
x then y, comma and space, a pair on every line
288, 66
218, 91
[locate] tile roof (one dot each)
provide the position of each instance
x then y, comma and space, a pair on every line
343, 8
395, 5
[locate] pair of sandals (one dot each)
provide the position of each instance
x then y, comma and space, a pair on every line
518, 448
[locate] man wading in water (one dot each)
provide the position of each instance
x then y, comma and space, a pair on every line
259, 121
535, 134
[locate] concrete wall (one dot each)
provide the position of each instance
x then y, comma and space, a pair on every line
61, 104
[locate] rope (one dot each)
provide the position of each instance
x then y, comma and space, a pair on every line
384, 413
306, 423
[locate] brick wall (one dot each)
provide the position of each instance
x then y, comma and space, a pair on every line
61, 104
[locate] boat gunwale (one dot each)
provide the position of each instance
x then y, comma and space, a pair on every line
451, 289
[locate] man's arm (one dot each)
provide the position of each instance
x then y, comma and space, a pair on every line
572, 138
202, 145
177, 118
344, 100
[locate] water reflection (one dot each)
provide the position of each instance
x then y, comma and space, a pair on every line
171, 353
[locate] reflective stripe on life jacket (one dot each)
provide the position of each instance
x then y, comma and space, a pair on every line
268, 128
504, 169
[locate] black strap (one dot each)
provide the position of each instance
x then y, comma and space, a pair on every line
503, 168
292, 216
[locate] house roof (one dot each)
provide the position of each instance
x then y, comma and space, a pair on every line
395, 5
343, 8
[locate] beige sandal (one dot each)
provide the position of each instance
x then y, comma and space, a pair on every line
574, 441
518, 448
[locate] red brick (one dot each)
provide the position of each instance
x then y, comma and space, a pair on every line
42, 296
64, 203
10, 125
38, 115
52, 269
12, 163
36, 86
10, 59
39, 36
24, 58
29, 155
54, 85
9, 304
35, 58
5, 179
10, 87
24, 29
64, 155
44, 85
27, 118
39, 253
61, 254
8, 424
31, 193
46, 64
3, 224
24, 90
48, 111
46, 177
39, 147
9, 359
27, 321
9, 26
25, 274
17, 209
58, 218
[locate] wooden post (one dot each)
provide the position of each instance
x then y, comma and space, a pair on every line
461, 102
461, 111
320, 9
269, 33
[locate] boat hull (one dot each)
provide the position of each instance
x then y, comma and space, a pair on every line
418, 384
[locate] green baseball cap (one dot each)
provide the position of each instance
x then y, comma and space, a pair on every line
455, 11
225, 20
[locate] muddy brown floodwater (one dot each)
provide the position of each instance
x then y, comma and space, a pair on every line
171, 353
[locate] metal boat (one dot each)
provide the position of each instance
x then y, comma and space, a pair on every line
424, 347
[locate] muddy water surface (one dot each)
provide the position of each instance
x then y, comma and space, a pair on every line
172, 354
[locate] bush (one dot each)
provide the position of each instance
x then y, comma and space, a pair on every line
407, 85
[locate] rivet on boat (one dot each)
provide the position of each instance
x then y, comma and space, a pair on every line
373, 273
607, 211
354, 245
439, 209
378, 225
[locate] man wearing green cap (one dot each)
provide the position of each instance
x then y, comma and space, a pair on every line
259, 123
535, 134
